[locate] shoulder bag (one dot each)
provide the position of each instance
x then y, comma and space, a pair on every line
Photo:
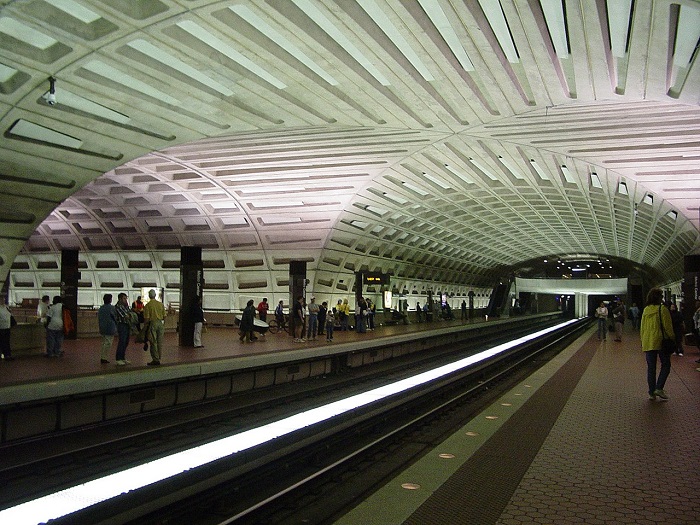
668, 346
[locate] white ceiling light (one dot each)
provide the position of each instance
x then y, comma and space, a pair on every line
687, 35
390, 30
442, 24
595, 180
554, 16
499, 26
266, 29
568, 176
483, 169
458, 174
539, 170
24, 33
511, 169
206, 37
169, 60
618, 24
309, 8
622, 188
437, 181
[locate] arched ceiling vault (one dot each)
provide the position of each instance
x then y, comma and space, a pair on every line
447, 140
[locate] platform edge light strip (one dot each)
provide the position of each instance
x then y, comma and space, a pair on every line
81, 496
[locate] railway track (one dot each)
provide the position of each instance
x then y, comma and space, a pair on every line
272, 482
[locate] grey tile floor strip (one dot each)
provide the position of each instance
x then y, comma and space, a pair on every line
480, 490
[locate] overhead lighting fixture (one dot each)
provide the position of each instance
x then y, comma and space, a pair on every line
687, 35
673, 215
459, 175
497, 20
375, 12
595, 180
437, 16
219, 46
538, 170
437, 181
622, 188
419, 191
553, 11
648, 199
310, 9
511, 169
618, 24
568, 176
258, 23
483, 169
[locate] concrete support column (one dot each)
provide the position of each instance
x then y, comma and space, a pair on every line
297, 288
191, 284
70, 275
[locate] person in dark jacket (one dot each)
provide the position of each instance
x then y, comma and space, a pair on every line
107, 321
678, 327
248, 322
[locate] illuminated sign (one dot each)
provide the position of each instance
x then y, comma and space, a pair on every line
375, 278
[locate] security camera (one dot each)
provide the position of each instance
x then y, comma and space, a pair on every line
51, 95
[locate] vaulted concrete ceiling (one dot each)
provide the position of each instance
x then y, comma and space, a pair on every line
447, 140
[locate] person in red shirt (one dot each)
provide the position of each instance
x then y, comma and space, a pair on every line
262, 310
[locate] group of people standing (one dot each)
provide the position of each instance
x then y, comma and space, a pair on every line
122, 321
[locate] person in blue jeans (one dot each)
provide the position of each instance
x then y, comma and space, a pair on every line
123, 314
601, 314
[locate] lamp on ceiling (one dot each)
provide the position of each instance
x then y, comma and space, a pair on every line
51, 95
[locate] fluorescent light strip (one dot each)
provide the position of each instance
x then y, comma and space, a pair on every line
460, 176
442, 24
24, 33
380, 18
81, 496
511, 168
258, 23
223, 48
554, 16
483, 169
395, 198
77, 11
437, 181
595, 180
148, 49
29, 130
622, 188
499, 26
418, 190
539, 171
115, 75
568, 175
88, 106
310, 9
618, 24
687, 35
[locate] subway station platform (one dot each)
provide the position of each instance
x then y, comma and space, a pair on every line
577, 442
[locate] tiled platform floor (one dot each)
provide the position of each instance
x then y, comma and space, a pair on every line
608, 456
82, 356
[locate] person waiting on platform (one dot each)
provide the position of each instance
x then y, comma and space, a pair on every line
312, 324
343, 314
361, 314
601, 314
656, 325
322, 314
154, 314
199, 320
263, 307
418, 311
42, 309
619, 318
248, 323
330, 324
54, 328
124, 322
137, 307
298, 320
107, 322
634, 316
5, 327
279, 314
678, 327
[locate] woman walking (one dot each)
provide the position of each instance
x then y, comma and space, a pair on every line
656, 325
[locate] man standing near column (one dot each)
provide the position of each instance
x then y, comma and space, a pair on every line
123, 328
154, 315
